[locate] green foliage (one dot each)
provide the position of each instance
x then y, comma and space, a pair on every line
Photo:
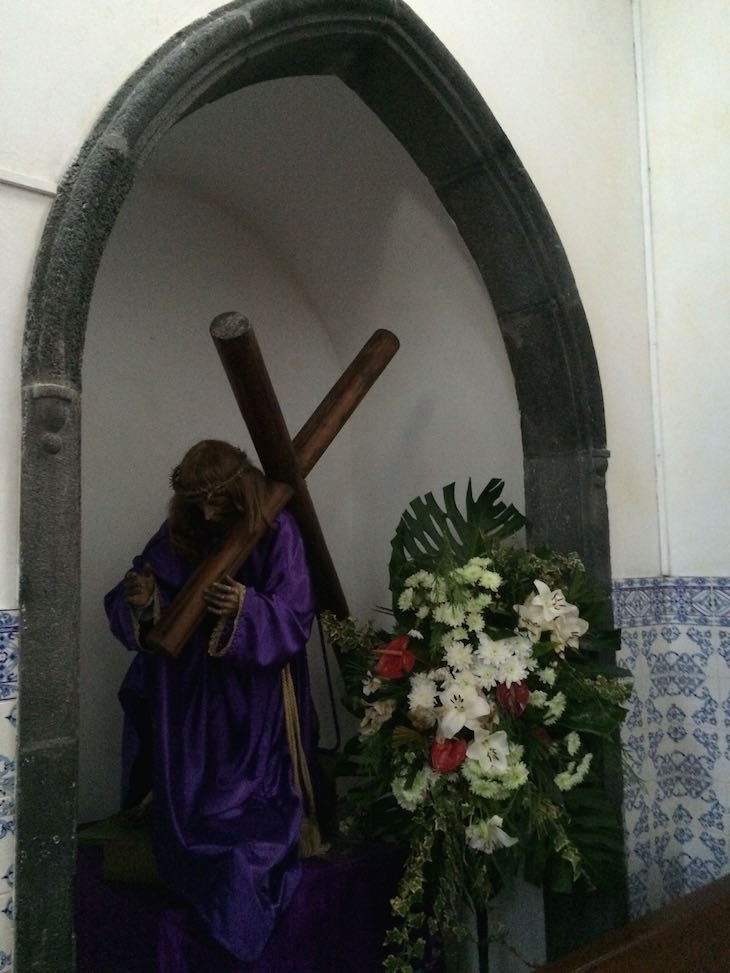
427, 534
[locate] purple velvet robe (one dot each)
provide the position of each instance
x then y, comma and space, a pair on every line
226, 817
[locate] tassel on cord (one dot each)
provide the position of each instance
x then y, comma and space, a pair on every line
310, 840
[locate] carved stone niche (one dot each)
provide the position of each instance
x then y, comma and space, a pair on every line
387, 56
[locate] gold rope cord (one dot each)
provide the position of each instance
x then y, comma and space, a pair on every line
310, 840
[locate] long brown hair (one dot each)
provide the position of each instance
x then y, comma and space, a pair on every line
212, 470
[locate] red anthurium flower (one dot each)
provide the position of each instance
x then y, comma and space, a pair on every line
395, 659
447, 755
513, 699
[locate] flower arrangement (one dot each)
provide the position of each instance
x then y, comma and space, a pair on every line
488, 717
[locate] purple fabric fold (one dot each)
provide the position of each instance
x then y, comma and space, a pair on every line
226, 817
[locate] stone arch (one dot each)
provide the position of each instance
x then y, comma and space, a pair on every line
384, 53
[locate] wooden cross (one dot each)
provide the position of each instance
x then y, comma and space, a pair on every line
285, 462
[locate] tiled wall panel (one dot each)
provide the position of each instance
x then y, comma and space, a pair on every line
676, 642
8, 723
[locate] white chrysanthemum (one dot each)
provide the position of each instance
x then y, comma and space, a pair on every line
490, 788
491, 652
423, 611
421, 579
478, 602
415, 634
490, 580
471, 572
572, 743
423, 690
555, 708
515, 776
538, 698
458, 634
513, 670
449, 614
521, 647
411, 797
441, 675
475, 622
488, 836
547, 676
458, 655
486, 676
405, 600
573, 776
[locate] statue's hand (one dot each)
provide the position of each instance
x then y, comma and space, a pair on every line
224, 597
139, 589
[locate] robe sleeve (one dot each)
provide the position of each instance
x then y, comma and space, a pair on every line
128, 625
275, 617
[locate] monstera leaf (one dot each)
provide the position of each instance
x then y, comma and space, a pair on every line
428, 535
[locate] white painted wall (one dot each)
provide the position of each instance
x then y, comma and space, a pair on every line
22, 216
687, 75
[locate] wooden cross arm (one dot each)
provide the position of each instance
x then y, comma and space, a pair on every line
293, 461
187, 609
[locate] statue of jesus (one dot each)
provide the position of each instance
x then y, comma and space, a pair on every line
206, 732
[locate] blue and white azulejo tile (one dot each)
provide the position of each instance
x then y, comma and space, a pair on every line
8, 654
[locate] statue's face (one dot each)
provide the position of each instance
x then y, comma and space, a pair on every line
216, 510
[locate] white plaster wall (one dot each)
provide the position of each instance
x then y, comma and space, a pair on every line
687, 73
22, 216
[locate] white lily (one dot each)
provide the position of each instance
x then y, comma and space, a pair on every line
462, 705
490, 750
375, 715
539, 611
568, 629
488, 836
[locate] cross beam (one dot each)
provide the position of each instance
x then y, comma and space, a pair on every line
285, 462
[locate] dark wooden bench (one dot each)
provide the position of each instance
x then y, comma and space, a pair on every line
690, 935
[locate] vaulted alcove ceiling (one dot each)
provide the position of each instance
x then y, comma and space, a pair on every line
305, 163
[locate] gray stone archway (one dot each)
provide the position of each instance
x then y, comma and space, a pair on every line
382, 51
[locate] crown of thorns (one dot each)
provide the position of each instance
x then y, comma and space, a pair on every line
208, 491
